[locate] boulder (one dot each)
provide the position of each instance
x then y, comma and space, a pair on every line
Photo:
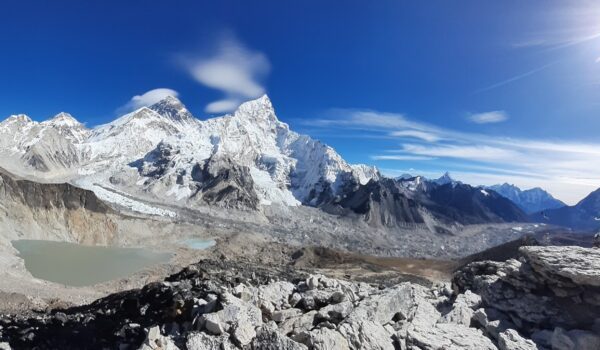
298, 324
323, 339
243, 332
447, 336
549, 287
156, 341
512, 340
575, 340
203, 341
366, 335
268, 338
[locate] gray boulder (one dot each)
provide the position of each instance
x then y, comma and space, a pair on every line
323, 339
512, 340
447, 336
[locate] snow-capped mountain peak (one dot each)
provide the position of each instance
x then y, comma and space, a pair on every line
531, 200
444, 179
63, 119
258, 109
172, 108
17, 119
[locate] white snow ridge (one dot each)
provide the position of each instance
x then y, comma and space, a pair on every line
164, 153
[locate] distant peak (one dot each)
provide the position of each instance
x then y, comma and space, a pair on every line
258, 108
169, 100
171, 107
18, 118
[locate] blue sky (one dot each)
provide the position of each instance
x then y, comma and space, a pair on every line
490, 91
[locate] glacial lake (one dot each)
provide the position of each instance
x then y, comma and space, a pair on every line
198, 243
80, 265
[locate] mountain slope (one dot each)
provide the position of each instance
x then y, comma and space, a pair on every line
584, 215
531, 201
417, 201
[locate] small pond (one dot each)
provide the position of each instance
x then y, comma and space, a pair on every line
198, 243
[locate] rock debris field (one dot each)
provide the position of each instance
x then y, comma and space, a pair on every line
547, 299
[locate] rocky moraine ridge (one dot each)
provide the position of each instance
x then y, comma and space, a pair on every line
549, 298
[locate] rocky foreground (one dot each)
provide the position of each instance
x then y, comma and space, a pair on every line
548, 299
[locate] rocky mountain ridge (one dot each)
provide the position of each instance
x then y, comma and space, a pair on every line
548, 299
531, 201
584, 215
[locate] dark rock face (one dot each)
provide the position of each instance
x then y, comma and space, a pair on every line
386, 202
584, 215
223, 183
381, 203
156, 163
49, 196
470, 205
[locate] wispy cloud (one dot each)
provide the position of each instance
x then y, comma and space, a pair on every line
400, 157
566, 168
514, 78
147, 99
418, 134
488, 117
231, 68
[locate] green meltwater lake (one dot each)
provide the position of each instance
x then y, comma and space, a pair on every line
80, 265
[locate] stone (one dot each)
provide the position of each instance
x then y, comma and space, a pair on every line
548, 286
153, 333
203, 341
298, 324
336, 312
212, 323
276, 293
561, 340
366, 335
543, 338
382, 308
424, 314
312, 282
156, 341
282, 315
323, 339
447, 336
578, 264
512, 340
492, 322
268, 338
575, 339
4, 346
243, 332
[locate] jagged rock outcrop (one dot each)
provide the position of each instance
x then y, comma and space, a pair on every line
551, 294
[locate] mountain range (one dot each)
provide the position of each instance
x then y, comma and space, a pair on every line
241, 161
531, 201
584, 215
